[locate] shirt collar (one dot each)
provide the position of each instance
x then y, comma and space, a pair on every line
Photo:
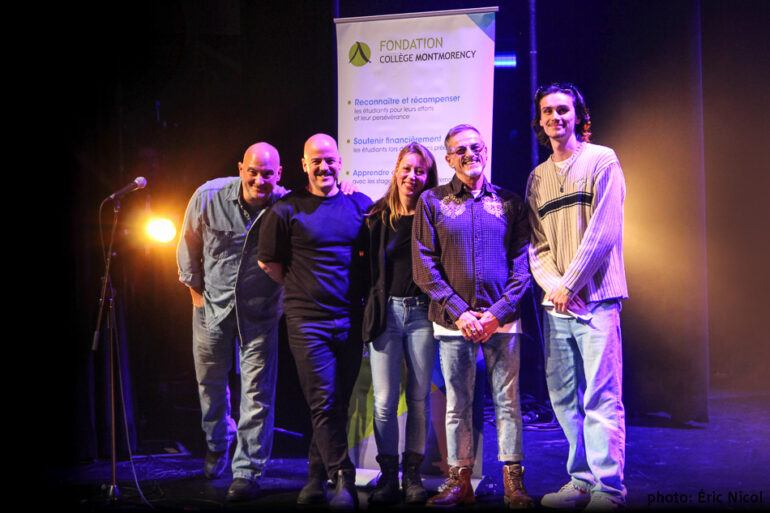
567, 163
234, 194
458, 187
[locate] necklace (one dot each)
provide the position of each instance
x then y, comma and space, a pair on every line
561, 175
562, 172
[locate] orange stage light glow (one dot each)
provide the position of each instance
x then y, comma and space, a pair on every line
161, 230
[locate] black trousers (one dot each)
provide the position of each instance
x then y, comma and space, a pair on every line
328, 357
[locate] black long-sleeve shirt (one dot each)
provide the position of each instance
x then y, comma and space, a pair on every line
320, 241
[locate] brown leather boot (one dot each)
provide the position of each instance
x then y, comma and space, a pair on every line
515, 494
457, 489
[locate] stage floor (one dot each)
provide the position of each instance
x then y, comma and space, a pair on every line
722, 464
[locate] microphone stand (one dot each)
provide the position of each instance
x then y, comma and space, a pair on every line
112, 491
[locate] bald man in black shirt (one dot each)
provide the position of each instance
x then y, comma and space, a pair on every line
312, 242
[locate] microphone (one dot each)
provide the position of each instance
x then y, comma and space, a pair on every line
139, 183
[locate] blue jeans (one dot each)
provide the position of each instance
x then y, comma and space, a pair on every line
584, 369
408, 336
213, 349
458, 365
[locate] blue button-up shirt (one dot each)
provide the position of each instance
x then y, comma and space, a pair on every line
218, 239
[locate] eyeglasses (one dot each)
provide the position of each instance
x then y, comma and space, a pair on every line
462, 150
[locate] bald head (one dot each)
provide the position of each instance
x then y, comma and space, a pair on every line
260, 171
320, 141
263, 152
322, 163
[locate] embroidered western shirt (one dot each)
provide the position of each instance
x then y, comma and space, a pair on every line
471, 253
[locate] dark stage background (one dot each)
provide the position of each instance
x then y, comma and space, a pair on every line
175, 91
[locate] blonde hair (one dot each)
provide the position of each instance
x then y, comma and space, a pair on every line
389, 207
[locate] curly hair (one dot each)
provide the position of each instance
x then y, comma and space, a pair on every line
583, 121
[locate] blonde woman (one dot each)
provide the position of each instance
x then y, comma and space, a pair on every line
397, 328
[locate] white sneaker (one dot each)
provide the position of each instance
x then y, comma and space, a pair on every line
602, 502
569, 496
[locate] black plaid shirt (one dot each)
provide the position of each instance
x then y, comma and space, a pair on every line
470, 253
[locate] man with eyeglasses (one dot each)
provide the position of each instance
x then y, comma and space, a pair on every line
576, 212
469, 254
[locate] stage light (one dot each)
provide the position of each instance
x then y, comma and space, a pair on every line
161, 230
505, 60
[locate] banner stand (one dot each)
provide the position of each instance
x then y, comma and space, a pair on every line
404, 78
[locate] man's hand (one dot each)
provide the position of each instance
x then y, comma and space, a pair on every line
469, 325
579, 303
197, 298
347, 187
490, 325
560, 297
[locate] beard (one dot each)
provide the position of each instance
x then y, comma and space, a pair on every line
472, 167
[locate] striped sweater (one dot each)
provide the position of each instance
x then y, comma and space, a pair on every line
576, 217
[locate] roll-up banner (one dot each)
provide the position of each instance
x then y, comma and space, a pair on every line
403, 78
411, 77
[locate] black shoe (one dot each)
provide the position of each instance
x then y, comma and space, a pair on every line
411, 482
242, 490
314, 492
214, 463
386, 491
346, 493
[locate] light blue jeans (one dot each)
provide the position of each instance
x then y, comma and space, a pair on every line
584, 369
458, 365
213, 350
408, 336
